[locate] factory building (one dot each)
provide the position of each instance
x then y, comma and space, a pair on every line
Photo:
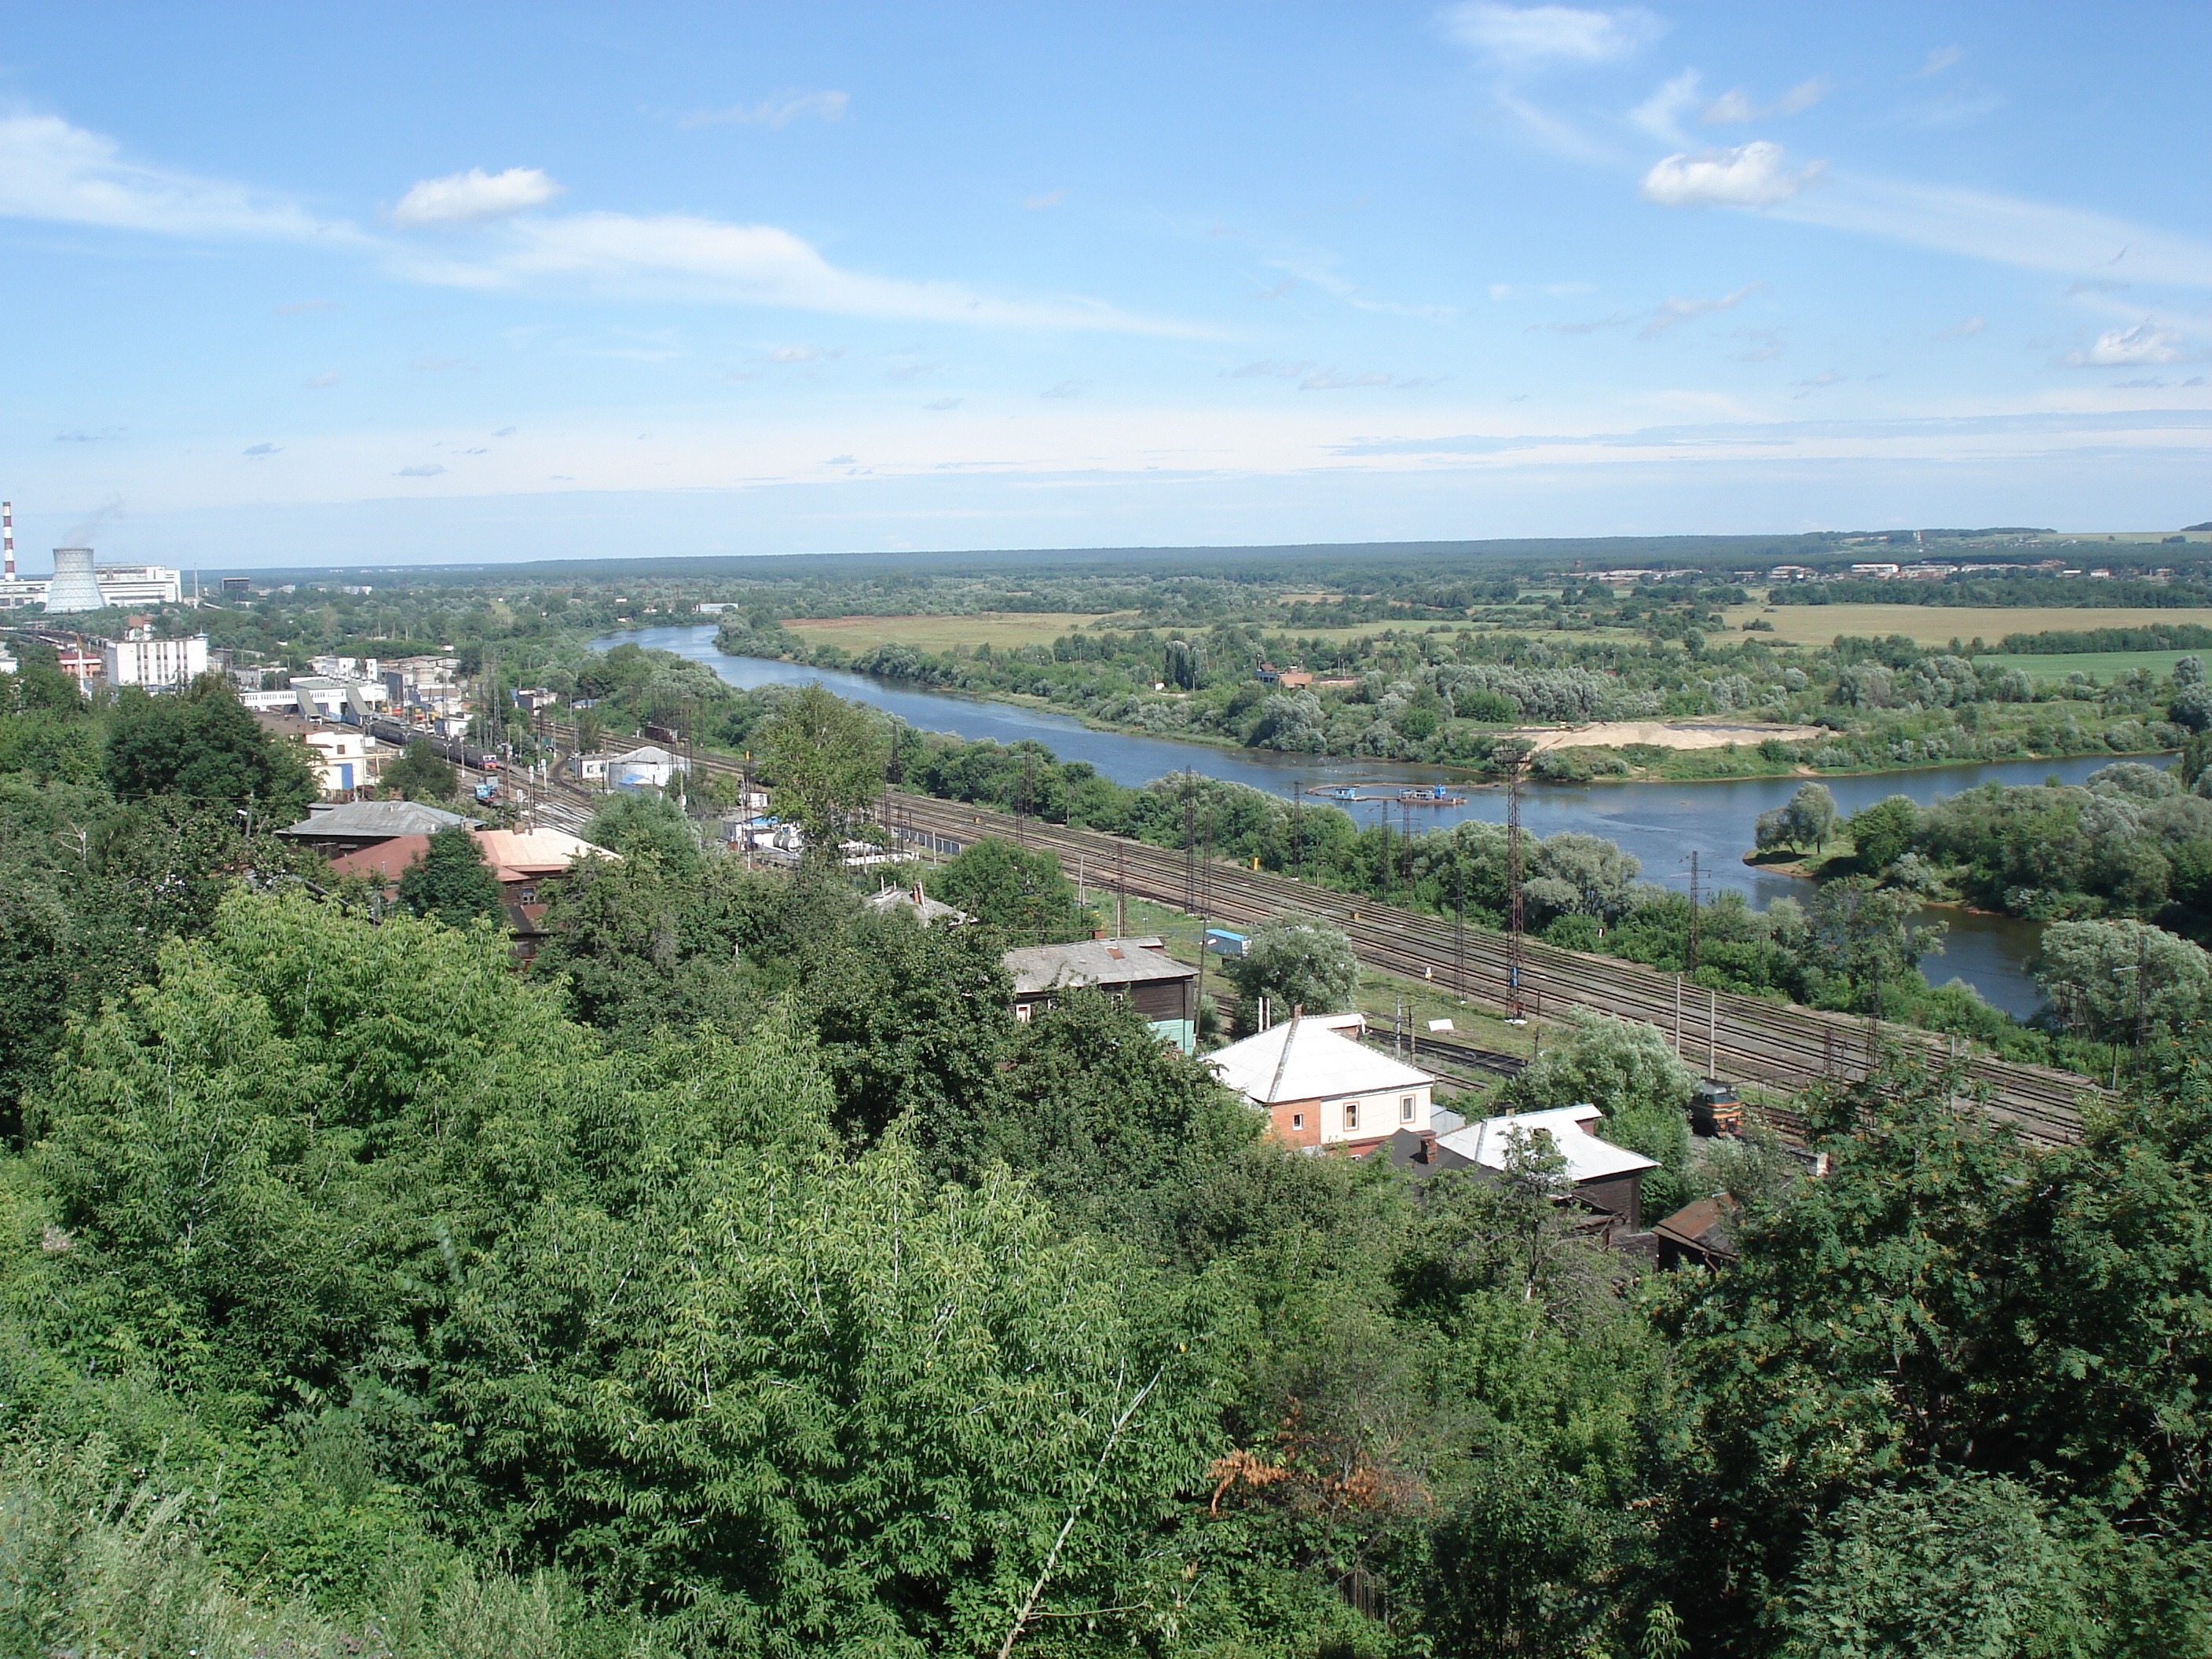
157, 665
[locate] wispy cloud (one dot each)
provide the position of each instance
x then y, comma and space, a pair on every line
472, 197
1066, 389
1331, 380
1736, 106
1817, 383
1960, 331
1588, 326
1748, 176
431, 471
261, 452
2005, 229
1661, 114
805, 354
322, 381
943, 403
53, 170
1676, 309
1267, 368
1523, 37
1766, 348
2125, 347
1938, 60
779, 110
299, 308
1051, 198
679, 256
911, 371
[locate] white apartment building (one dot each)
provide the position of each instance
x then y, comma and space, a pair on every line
158, 665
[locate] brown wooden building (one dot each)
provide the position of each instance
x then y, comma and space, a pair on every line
1158, 986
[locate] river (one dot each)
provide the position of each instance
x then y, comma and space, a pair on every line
1661, 824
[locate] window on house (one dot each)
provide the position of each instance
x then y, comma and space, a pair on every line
1405, 1109
1297, 1120
1021, 1013
1352, 1115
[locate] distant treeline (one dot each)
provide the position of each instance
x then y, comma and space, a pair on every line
2125, 591
2168, 636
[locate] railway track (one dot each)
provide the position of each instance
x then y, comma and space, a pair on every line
1742, 1037
1746, 1039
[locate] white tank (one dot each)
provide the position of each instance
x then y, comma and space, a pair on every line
74, 587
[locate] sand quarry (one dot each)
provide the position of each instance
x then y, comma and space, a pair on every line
1663, 734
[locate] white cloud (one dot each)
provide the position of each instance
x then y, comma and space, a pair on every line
943, 403
1522, 36
2146, 342
679, 256
429, 472
805, 354
1676, 309
1748, 176
320, 382
780, 110
262, 451
1661, 114
1938, 60
1064, 389
1734, 107
1330, 380
1973, 325
2005, 229
1050, 198
470, 197
53, 171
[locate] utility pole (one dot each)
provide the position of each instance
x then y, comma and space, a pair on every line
1690, 957
1515, 758
1459, 926
1298, 829
2143, 1000
1120, 893
1189, 841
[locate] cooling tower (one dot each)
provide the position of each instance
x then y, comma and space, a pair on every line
73, 587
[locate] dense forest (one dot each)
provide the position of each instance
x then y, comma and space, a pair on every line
742, 1279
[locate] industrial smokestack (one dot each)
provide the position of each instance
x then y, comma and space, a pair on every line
8, 535
74, 587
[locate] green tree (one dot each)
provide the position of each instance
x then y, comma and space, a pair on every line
629, 824
1960, 1569
420, 773
1296, 964
1883, 832
201, 744
1021, 889
825, 758
2102, 976
450, 882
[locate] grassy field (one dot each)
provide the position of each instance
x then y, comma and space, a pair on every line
2101, 665
1936, 624
992, 628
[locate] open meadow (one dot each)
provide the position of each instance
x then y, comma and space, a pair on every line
1938, 624
995, 628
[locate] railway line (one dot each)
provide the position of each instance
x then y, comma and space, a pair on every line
1746, 1038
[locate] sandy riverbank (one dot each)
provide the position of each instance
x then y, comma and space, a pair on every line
1664, 734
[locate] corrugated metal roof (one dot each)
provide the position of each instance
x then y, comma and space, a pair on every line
361, 819
1306, 1060
1090, 962
1588, 1158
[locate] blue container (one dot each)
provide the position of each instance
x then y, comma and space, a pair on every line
1223, 942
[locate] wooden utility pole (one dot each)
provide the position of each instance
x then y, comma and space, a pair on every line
1515, 758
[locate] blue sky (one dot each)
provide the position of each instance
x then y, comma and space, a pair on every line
421, 284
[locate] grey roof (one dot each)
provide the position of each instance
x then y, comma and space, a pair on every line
364, 820
1090, 962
